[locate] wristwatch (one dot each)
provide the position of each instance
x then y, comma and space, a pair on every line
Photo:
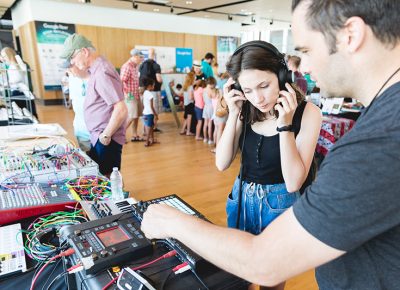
288, 128
105, 136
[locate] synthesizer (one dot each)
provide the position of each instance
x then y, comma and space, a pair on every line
99, 209
197, 263
107, 242
19, 201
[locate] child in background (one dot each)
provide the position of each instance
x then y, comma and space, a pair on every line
179, 93
209, 94
149, 113
188, 101
198, 106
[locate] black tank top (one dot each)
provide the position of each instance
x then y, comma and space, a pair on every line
261, 154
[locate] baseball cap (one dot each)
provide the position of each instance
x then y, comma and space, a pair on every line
72, 43
196, 63
136, 51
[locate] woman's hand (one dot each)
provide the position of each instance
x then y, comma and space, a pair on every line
286, 106
234, 98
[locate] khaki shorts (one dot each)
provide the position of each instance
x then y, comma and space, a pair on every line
135, 108
157, 102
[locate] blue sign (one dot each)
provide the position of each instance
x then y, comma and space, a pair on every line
184, 60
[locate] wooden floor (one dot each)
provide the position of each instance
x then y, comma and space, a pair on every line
178, 165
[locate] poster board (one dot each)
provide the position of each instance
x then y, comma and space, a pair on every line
50, 42
170, 59
226, 45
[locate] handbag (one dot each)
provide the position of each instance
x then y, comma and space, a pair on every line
222, 108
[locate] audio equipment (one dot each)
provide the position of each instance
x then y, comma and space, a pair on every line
197, 263
19, 201
12, 255
44, 167
107, 242
284, 74
129, 280
99, 209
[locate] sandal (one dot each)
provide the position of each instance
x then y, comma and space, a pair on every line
147, 144
137, 139
182, 133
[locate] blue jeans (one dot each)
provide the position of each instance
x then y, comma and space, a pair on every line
261, 204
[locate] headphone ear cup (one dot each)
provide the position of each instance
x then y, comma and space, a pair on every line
285, 76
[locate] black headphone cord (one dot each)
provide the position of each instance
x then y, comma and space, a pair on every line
245, 107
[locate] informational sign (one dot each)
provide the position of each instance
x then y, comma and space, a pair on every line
184, 60
50, 39
165, 56
226, 45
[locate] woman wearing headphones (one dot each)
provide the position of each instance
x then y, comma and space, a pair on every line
277, 132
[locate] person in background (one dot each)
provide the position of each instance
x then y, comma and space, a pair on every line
198, 106
206, 65
149, 112
151, 69
77, 83
17, 73
209, 94
105, 109
130, 81
188, 101
199, 75
347, 223
294, 64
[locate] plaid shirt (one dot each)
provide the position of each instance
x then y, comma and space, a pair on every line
130, 78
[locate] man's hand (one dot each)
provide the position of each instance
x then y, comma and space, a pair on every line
158, 220
105, 139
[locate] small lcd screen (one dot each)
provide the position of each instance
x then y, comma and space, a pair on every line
112, 236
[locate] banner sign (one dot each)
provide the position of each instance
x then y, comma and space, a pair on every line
50, 41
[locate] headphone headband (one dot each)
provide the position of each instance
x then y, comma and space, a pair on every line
284, 74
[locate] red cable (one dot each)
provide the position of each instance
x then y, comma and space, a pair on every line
62, 254
167, 255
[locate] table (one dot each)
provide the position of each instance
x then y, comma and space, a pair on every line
331, 130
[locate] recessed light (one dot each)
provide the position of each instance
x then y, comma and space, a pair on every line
243, 10
156, 10
207, 16
189, 2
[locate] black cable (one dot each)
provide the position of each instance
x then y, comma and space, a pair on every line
166, 280
55, 279
241, 167
200, 280
51, 273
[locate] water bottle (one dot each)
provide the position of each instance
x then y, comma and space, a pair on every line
116, 185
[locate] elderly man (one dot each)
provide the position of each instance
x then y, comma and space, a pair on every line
347, 223
130, 81
104, 107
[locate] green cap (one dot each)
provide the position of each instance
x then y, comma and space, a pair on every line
72, 43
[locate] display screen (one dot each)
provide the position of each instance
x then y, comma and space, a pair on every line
112, 236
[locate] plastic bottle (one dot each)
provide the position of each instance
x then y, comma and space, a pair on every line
116, 185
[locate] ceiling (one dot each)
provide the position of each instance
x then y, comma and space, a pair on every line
248, 12
4, 5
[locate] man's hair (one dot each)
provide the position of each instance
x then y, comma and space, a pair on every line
328, 16
209, 55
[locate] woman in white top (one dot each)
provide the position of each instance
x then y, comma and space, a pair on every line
17, 77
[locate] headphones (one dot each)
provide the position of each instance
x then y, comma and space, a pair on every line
284, 74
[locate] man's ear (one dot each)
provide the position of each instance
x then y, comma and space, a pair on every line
352, 36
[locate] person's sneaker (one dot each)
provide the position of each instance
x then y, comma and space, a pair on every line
210, 142
205, 140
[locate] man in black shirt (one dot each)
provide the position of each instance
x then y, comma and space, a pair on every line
151, 69
347, 223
